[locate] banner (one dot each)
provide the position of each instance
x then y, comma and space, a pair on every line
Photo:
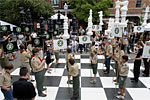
5, 28
110, 35
146, 52
138, 29
10, 47
37, 42
84, 39
60, 44
96, 28
117, 31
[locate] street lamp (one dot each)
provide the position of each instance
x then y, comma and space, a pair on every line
65, 8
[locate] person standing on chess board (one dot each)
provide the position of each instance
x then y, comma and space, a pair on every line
67, 57
108, 56
22, 88
74, 72
118, 53
94, 63
5, 82
123, 68
92, 48
24, 56
38, 68
146, 63
137, 62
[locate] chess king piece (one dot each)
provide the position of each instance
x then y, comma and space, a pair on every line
90, 24
117, 15
146, 16
65, 35
124, 10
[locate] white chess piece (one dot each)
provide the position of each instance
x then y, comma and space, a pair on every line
90, 24
146, 16
117, 15
65, 35
101, 20
124, 10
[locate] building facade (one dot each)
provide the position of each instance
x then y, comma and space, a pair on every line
136, 9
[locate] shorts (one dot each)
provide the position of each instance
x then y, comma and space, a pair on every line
56, 55
94, 67
48, 60
122, 81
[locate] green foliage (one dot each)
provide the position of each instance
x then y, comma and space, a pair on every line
9, 9
82, 8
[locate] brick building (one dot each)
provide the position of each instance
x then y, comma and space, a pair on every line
136, 9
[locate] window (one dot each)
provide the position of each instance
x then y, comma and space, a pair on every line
55, 2
138, 3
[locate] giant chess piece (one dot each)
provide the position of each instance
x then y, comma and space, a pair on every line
124, 10
101, 20
90, 24
146, 16
117, 15
65, 35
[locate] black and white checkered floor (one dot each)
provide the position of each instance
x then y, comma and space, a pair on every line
104, 89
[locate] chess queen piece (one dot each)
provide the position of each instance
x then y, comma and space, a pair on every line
101, 20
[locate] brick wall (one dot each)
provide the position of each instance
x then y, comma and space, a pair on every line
131, 6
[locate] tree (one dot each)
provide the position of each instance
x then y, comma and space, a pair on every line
9, 9
82, 8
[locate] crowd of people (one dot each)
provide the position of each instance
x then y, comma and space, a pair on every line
33, 61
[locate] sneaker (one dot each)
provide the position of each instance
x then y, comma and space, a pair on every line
93, 81
70, 82
119, 93
120, 97
74, 98
49, 71
44, 89
42, 95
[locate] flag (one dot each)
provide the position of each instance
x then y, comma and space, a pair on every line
138, 29
84, 39
117, 31
146, 52
60, 44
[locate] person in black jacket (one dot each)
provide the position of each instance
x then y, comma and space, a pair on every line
137, 62
23, 89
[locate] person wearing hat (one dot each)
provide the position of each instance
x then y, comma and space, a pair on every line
38, 68
74, 72
108, 55
5, 82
